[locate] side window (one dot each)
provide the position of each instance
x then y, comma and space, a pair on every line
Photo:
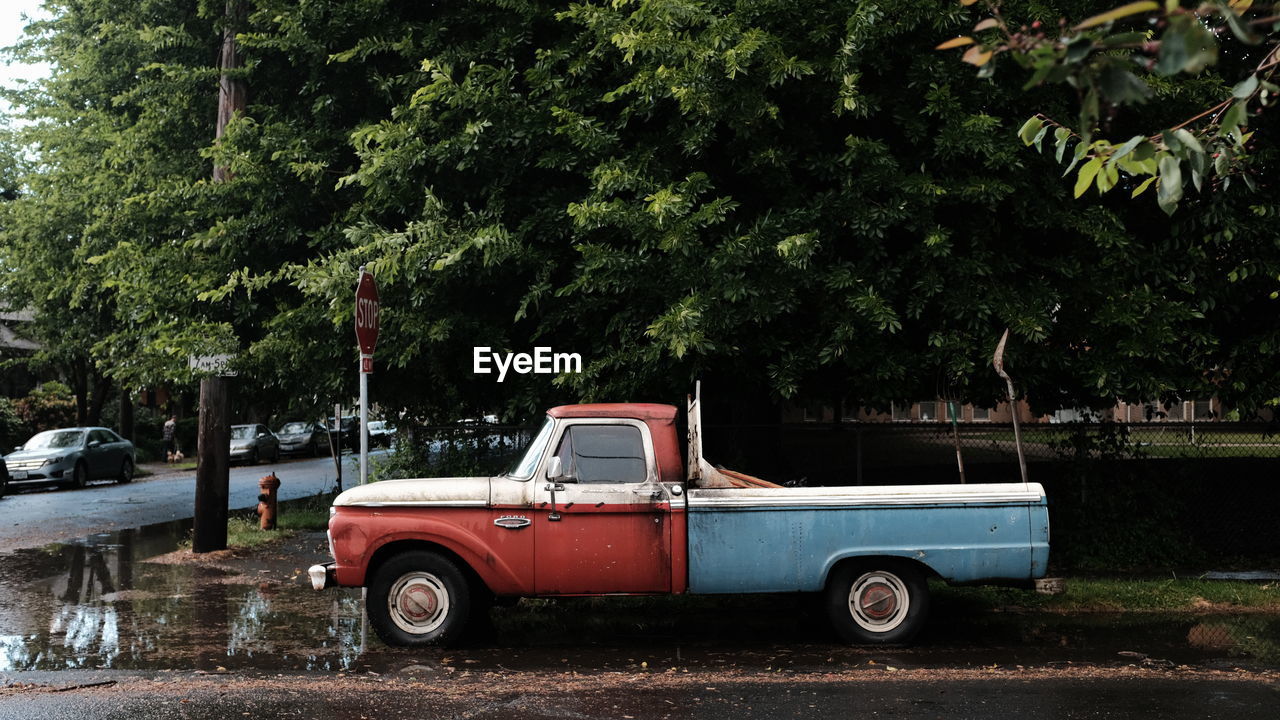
100, 436
603, 453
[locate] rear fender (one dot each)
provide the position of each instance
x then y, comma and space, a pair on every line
868, 557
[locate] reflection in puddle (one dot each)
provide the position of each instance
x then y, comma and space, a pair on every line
99, 604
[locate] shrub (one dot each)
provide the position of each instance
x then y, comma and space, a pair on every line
52, 405
12, 429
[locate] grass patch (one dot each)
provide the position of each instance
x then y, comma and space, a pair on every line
306, 514
1111, 595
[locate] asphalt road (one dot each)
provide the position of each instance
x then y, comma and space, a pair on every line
31, 516
417, 692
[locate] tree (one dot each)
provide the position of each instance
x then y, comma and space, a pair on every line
786, 199
796, 200
1101, 57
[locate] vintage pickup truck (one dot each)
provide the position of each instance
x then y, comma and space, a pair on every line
601, 504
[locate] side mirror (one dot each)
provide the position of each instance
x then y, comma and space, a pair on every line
94, 443
554, 468
262, 434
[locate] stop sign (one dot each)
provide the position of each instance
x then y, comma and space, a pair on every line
367, 314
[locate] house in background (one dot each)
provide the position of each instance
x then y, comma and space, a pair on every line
15, 381
939, 411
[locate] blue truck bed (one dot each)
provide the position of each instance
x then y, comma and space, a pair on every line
789, 539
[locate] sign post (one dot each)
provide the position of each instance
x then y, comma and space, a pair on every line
367, 336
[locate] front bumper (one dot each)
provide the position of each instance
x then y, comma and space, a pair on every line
322, 576
41, 474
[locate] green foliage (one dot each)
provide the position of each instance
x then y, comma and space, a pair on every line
1100, 60
786, 199
459, 452
1093, 445
13, 430
48, 407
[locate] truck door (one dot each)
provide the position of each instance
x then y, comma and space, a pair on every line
604, 526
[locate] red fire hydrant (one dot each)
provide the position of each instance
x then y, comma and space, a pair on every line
267, 487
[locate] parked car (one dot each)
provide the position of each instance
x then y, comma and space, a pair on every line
348, 431
72, 457
381, 433
252, 443
302, 437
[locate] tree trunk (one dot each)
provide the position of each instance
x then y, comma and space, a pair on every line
232, 91
98, 399
126, 416
80, 386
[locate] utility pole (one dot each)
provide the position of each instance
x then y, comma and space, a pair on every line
213, 471
214, 446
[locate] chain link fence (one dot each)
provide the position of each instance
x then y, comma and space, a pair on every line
1137, 497
911, 453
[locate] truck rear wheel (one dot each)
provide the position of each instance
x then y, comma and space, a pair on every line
418, 598
882, 602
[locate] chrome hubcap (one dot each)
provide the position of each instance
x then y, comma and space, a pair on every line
418, 602
879, 601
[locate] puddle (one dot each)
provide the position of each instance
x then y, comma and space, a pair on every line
99, 603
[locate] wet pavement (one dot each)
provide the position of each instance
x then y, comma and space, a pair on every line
116, 601
659, 696
32, 515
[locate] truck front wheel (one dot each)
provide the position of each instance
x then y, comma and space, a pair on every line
418, 598
884, 602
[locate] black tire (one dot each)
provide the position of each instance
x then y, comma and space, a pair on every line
419, 598
4, 485
892, 599
126, 472
253, 457
79, 476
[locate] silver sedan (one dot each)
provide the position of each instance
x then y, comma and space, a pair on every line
72, 456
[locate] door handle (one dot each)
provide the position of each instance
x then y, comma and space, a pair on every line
553, 487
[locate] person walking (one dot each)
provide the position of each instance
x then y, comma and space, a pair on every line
170, 444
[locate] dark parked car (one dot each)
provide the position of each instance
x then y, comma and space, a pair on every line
252, 443
348, 431
72, 457
302, 437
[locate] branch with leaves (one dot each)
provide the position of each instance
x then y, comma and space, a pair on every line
1106, 61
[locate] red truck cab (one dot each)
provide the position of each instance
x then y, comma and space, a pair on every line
605, 525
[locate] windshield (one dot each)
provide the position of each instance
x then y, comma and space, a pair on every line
53, 439
293, 429
242, 432
527, 464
